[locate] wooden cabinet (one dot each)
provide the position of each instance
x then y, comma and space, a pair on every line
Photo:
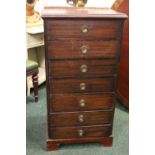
123, 78
82, 57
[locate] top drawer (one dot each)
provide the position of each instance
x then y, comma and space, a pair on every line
83, 29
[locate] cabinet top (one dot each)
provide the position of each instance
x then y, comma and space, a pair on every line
74, 12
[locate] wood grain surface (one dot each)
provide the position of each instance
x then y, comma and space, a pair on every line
82, 68
72, 132
71, 102
73, 49
96, 29
89, 118
59, 86
82, 58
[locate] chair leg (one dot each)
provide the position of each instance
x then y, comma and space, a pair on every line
35, 86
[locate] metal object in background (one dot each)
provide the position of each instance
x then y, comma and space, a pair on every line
77, 3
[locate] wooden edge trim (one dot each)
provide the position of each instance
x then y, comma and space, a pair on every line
122, 99
53, 144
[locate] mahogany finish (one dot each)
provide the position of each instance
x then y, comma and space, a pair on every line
59, 86
54, 144
83, 68
97, 29
72, 102
72, 49
80, 118
73, 132
82, 57
123, 78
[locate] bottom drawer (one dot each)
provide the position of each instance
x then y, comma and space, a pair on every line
80, 132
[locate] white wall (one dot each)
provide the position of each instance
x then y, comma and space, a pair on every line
91, 3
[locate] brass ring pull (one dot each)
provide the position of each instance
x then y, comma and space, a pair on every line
83, 68
84, 29
84, 49
82, 86
80, 133
82, 103
81, 118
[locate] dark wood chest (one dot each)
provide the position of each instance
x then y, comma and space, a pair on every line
82, 57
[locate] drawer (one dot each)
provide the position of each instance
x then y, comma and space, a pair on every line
78, 102
88, 29
82, 49
82, 68
59, 86
35, 40
80, 132
80, 118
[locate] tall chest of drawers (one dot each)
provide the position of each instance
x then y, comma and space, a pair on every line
82, 56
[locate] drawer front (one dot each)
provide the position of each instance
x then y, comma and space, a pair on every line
81, 118
80, 132
83, 29
34, 40
82, 68
82, 49
78, 102
82, 85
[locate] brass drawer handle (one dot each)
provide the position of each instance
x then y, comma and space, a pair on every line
81, 118
84, 29
82, 86
80, 133
84, 49
83, 68
82, 103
